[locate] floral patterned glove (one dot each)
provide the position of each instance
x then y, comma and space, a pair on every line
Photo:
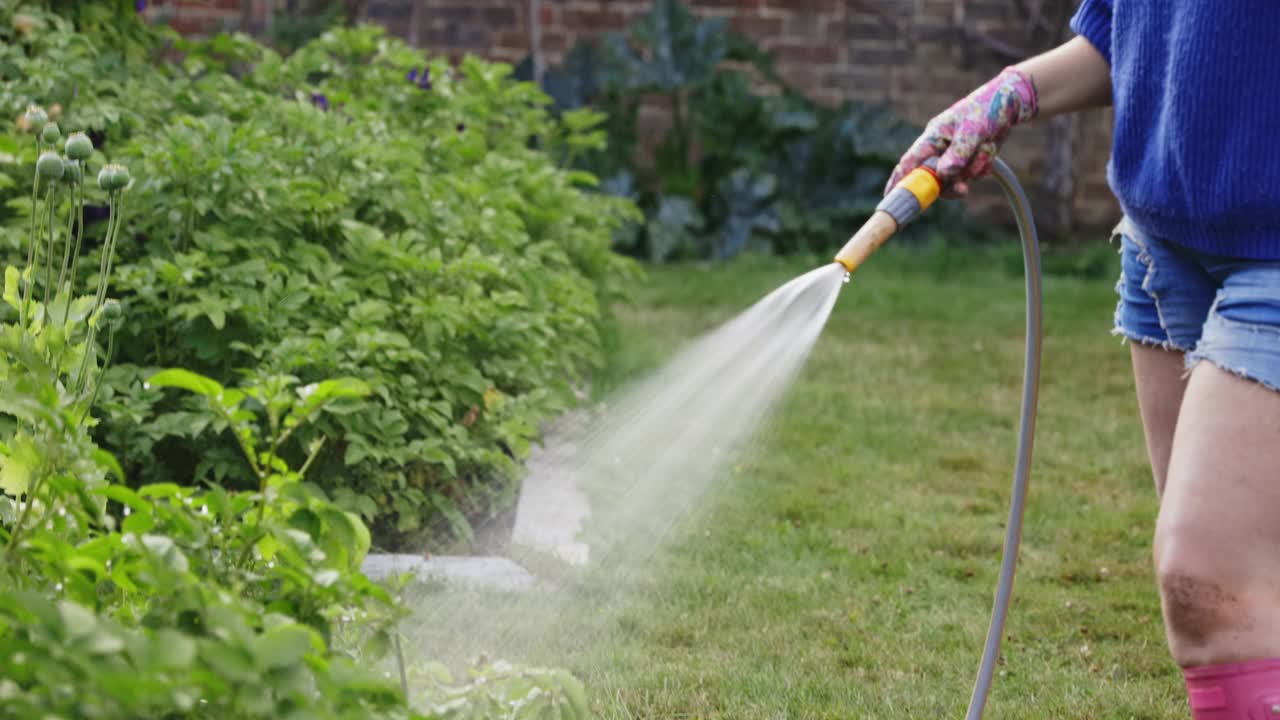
968, 134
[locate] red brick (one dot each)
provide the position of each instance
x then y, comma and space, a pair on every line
398, 28
798, 76
741, 5
387, 12
508, 55
987, 10
593, 19
452, 14
553, 41
806, 7
510, 39
858, 81
878, 57
867, 28
797, 51
189, 25
499, 16
759, 28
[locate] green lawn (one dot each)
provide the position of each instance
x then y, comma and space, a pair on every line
845, 568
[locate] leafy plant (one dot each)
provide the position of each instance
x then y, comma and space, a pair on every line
166, 599
747, 162
355, 209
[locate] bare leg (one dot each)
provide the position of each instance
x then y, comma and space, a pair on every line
1158, 374
1217, 546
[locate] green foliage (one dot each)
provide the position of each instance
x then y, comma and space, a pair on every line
165, 600
170, 600
320, 216
746, 163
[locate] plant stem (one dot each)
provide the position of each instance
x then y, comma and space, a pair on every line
111, 251
22, 519
31, 251
75, 254
77, 208
271, 456
112, 219
66, 257
244, 447
71, 237
303, 470
48, 254
262, 497
104, 272
66, 248
19, 526
404, 679
289, 433
111, 348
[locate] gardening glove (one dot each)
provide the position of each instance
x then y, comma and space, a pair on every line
968, 134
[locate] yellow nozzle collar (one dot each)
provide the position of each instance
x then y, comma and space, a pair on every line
923, 184
911, 196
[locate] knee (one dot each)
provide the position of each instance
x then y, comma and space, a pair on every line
1201, 607
1196, 605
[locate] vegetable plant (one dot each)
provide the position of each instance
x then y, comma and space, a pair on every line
354, 209
747, 161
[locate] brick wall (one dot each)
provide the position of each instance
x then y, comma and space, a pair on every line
918, 56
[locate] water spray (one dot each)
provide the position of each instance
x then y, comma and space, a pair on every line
914, 194
642, 465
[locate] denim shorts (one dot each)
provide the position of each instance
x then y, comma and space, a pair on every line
1211, 307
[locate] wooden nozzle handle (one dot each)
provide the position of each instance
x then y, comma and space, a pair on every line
867, 240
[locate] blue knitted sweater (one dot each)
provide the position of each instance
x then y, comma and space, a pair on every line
1195, 157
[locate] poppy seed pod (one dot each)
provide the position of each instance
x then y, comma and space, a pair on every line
113, 177
49, 166
51, 134
73, 174
35, 118
112, 311
79, 146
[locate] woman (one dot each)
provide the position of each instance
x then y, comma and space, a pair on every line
1195, 165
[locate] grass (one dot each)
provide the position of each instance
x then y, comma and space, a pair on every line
846, 568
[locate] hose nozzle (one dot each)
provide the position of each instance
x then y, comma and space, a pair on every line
911, 196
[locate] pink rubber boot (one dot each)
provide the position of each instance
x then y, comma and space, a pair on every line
1235, 691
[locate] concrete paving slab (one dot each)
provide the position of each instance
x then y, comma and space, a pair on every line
489, 572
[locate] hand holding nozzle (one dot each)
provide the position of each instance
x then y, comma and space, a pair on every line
957, 146
912, 195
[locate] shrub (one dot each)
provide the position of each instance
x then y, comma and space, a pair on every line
352, 210
116, 603
172, 601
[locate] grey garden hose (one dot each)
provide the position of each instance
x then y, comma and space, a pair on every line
903, 203
1026, 434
